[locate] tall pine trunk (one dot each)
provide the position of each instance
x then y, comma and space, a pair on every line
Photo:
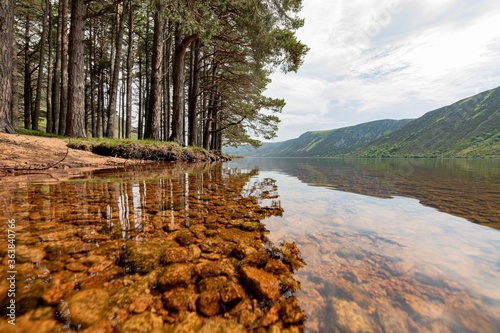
75, 118
63, 108
130, 72
35, 116
211, 106
93, 74
56, 80
153, 125
193, 94
6, 56
179, 77
111, 127
27, 75
48, 99
14, 108
166, 89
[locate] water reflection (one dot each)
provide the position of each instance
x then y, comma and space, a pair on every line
380, 262
462, 187
178, 248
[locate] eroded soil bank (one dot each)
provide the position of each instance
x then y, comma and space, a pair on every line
25, 154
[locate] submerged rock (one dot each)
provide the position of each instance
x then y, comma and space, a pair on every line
180, 299
87, 307
192, 323
174, 255
291, 313
185, 237
232, 292
143, 257
144, 322
276, 267
40, 320
421, 308
220, 325
258, 258
262, 283
175, 275
76, 267
29, 254
141, 303
350, 316
242, 250
126, 295
212, 269
209, 303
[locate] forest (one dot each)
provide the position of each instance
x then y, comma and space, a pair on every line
189, 71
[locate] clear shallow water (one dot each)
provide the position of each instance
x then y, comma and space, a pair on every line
380, 261
388, 246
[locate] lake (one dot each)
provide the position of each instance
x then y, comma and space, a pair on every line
373, 245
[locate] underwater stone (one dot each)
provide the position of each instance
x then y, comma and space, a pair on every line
264, 284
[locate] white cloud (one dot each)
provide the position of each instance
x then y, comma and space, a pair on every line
388, 59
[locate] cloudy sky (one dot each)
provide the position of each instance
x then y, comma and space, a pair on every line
379, 59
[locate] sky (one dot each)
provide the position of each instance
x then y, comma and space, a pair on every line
387, 59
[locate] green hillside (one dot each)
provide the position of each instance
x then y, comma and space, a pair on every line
468, 128
337, 142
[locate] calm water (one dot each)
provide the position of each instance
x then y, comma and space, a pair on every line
378, 256
388, 246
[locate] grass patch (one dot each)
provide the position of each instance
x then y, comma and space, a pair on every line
136, 149
37, 133
144, 150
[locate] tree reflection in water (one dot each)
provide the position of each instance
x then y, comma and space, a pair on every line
179, 248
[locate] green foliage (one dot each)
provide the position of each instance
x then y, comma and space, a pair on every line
242, 43
36, 133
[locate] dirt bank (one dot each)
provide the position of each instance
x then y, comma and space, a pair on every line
26, 154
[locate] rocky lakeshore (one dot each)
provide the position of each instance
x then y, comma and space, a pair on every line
167, 252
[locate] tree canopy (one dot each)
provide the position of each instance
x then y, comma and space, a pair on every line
190, 71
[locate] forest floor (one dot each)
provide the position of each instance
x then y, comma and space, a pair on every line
27, 154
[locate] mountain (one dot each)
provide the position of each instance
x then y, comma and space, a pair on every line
337, 142
467, 128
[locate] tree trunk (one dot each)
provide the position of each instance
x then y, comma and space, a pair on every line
140, 132
179, 75
121, 111
130, 72
27, 76
166, 89
93, 73
63, 108
48, 99
14, 109
75, 119
41, 62
211, 106
193, 94
111, 128
56, 81
100, 105
153, 126
144, 119
6, 55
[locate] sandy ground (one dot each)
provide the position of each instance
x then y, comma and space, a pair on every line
24, 154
